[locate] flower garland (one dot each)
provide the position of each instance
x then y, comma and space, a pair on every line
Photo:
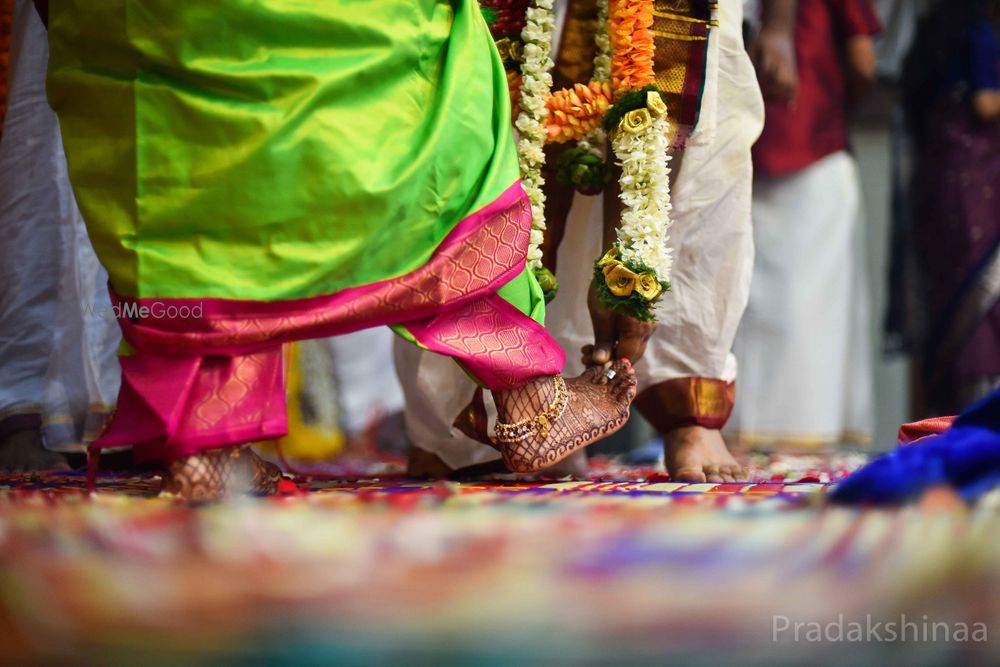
632, 275
583, 166
595, 139
575, 112
536, 83
522, 30
635, 272
506, 19
633, 49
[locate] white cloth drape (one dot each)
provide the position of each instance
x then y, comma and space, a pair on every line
58, 336
804, 344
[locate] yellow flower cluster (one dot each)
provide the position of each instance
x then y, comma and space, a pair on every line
573, 112
510, 49
622, 281
639, 120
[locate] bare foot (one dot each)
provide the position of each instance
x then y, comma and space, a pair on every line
592, 411
426, 465
696, 454
220, 473
23, 451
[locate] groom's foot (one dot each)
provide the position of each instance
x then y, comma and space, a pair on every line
22, 451
547, 420
695, 454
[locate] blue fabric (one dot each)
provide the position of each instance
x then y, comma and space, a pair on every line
977, 67
966, 457
984, 58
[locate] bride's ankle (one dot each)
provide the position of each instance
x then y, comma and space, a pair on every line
513, 404
215, 473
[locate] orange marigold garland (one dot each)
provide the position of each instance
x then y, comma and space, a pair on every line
514, 88
573, 112
583, 166
633, 49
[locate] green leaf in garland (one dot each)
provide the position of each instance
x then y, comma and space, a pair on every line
490, 15
547, 281
582, 169
630, 101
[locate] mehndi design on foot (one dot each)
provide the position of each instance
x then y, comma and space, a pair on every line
546, 421
218, 473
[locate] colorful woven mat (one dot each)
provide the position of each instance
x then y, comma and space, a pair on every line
785, 477
400, 491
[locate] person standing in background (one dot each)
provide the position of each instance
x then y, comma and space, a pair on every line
803, 345
58, 337
951, 98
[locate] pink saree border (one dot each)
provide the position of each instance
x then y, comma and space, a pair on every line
482, 253
173, 406
494, 340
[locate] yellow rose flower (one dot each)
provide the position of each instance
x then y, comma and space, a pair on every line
609, 257
621, 281
636, 121
648, 286
503, 46
655, 104
546, 279
516, 51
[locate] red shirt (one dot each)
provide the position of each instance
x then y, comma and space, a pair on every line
794, 138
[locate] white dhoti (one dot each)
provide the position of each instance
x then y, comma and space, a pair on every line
58, 335
713, 246
804, 344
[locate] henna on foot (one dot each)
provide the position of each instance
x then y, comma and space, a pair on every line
547, 420
218, 473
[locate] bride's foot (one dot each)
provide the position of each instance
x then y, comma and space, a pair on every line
218, 473
545, 421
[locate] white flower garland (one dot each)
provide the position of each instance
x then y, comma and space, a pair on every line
536, 86
594, 140
645, 192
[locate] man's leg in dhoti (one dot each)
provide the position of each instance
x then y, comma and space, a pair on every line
686, 373
687, 386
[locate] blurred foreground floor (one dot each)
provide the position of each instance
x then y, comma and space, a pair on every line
624, 569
